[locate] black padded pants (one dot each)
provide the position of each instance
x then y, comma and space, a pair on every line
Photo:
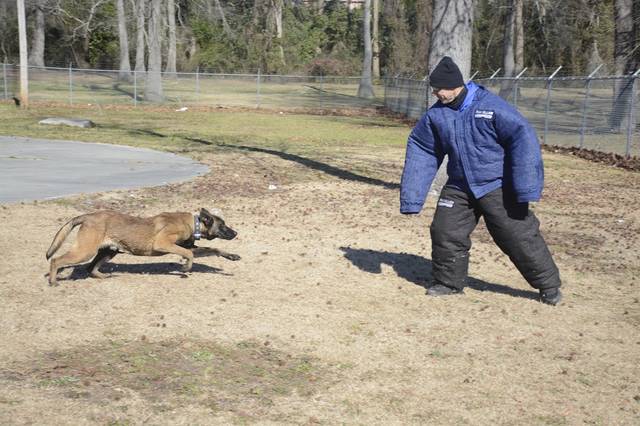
513, 227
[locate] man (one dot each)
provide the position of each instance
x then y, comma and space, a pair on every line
495, 170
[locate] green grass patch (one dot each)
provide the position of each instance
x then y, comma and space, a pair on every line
172, 373
206, 130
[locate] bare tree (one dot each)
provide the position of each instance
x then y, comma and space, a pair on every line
170, 67
36, 53
274, 25
82, 22
424, 10
124, 72
451, 34
153, 84
624, 62
399, 57
140, 7
225, 24
519, 36
4, 13
365, 89
508, 56
375, 39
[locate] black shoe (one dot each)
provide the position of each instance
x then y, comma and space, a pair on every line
442, 290
551, 296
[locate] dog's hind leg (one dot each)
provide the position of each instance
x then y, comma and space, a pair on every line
104, 255
85, 248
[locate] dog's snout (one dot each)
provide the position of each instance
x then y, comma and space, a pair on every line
230, 234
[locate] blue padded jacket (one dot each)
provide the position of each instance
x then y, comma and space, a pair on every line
489, 145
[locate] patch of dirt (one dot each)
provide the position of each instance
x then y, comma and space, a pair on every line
608, 158
333, 278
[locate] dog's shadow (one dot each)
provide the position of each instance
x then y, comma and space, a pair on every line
166, 268
417, 270
154, 268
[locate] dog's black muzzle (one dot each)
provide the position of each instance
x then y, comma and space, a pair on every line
225, 233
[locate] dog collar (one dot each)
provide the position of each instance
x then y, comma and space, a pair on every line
196, 227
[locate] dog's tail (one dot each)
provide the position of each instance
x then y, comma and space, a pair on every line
63, 233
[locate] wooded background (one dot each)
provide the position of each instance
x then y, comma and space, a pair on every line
319, 37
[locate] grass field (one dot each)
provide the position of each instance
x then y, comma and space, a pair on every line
83, 87
324, 320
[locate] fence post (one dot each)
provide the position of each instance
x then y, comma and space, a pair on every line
322, 95
632, 107
515, 87
396, 101
258, 90
70, 85
407, 101
135, 88
4, 79
584, 106
198, 84
425, 85
384, 82
546, 109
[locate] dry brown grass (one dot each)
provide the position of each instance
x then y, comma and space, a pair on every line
325, 318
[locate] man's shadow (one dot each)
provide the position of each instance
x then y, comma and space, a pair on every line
417, 269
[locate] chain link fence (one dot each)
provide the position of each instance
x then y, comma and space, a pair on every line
598, 113
108, 87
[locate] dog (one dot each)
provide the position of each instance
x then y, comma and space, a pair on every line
104, 234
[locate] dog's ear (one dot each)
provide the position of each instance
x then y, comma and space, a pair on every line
207, 217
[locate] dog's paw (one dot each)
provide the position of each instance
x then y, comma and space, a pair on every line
233, 257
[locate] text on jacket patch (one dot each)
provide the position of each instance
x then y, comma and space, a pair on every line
484, 114
445, 203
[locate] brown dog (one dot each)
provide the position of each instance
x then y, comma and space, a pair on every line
104, 234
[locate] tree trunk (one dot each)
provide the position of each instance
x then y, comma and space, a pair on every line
124, 73
595, 60
170, 67
519, 36
223, 18
140, 45
3, 28
365, 89
451, 34
36, 55
375, 39
398, 49
425, 17
276, 11
624, 63
508, 60
153, 84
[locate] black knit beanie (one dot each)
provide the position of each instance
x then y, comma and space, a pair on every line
446, 75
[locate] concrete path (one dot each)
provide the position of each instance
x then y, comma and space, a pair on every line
36, 169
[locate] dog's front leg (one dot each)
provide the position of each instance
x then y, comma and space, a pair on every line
203, 251
180, 251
